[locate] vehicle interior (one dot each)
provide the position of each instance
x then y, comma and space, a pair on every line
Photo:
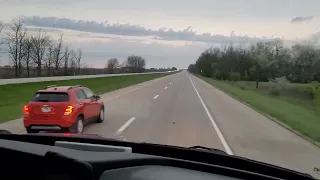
67, 156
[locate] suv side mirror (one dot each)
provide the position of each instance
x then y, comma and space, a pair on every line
97, 97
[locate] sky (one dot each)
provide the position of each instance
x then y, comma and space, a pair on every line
166, 33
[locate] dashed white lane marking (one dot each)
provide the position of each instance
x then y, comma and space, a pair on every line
125, 126
156, 97
118, 95
165, 87
170, 83
222, 139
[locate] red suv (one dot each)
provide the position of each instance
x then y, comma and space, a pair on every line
66, 108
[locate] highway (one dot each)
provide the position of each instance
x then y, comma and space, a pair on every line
183, 110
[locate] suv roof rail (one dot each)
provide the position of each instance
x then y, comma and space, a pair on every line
49, 86
74, 86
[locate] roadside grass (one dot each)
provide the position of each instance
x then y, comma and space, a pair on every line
14, 96
306, 95
295, 113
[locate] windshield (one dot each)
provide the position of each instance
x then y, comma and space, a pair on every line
239, 76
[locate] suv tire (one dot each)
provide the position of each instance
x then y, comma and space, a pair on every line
101, 115
78, 126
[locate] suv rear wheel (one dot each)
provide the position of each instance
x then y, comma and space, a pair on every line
101, 115
78, 126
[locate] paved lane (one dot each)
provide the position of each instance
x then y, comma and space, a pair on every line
176, 117
122, 104
169, 111
166, 112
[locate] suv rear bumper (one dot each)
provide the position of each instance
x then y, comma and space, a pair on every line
44, 127
64, 122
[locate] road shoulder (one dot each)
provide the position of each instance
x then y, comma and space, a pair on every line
255, 136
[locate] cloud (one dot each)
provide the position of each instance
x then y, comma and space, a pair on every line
97, 48
135, 30
301, 19
157, 55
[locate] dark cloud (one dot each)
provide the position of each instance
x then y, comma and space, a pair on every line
134, 30
301, 19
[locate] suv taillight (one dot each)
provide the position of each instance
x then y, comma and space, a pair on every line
68, 110
25, 110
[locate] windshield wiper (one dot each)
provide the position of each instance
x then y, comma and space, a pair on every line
194, 148
43, 100
3, 131
207, 149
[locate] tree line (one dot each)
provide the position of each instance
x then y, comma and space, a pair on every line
263, 61
30, 54
133, 64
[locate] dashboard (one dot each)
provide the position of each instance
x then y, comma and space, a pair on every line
67, 160
159, 173
72, 161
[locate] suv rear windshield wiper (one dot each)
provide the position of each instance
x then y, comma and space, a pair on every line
43, 100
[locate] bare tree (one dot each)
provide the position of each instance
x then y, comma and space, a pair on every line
1, 40
136, 64
58, 54
112, 64
49, 58
66, 60
40, 43
141, 64
73, 62
15, 41
78, 60
27, 54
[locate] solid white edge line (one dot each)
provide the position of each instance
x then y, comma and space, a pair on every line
156, 96
123, 127
165, 87
222, 139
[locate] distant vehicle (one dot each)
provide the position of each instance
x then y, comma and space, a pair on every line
62, 108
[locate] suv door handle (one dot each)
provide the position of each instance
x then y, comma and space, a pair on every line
81, 104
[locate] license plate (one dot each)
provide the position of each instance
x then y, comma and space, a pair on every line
45, 109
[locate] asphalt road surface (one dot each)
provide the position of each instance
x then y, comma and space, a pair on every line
183, 110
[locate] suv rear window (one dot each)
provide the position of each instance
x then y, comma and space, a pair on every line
50, 97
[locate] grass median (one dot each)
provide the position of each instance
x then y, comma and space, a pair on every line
14, 96
298, 116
